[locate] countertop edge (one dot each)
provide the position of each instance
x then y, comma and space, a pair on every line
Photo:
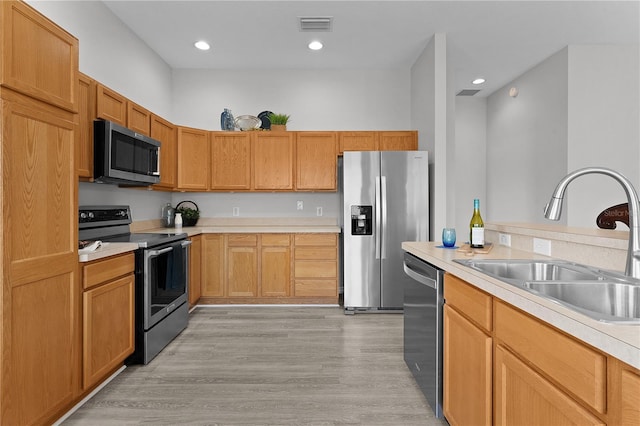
619, 341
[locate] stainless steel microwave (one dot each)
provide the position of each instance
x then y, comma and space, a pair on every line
122, 156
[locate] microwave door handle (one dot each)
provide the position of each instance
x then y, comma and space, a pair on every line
155, 253
156, 169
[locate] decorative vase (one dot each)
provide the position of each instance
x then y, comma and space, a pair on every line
278, 127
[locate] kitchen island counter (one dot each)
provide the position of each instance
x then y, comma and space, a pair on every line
618, 340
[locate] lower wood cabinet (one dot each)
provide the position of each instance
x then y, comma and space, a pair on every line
316, 265
242, 265
195, 269
213, 265
275, 265
108, 316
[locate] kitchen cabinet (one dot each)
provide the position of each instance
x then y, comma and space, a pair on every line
273, 160
138, 118
242, 265
193, 159
230, 161
629, 394
398, 141
358, 141
316, 160
108, 316
41, 298
467, 354
316, 265
39, 59
167, 134
111, 105
195, 270
213, 265
86, 115
275, 265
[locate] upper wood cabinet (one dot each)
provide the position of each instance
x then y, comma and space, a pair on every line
398, 141
138, 118
39, 59
230, 161
316, 158
358, 141
111, 105
86, 115
273, 164
193, 159
167, 134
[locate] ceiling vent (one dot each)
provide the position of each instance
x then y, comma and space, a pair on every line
468, 92
315, 23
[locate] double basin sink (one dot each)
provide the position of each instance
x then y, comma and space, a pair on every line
602, 295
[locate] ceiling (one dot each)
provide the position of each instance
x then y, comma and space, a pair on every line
498, 40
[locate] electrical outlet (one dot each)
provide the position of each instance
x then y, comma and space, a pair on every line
300, 205
504, 239
541, 246
236, 211
318, 211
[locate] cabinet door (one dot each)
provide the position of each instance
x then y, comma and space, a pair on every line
466, 371
86, 115
630, 400
195, 271
138, 118
212, 283
398, 141
231, 160
41, 296
39, 59
242, 265
275, 265
166, 133
108, 328
111, 105
522, 397
316, 159
193, 159
273, 160
358, 141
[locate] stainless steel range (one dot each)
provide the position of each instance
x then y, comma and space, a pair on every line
162, 276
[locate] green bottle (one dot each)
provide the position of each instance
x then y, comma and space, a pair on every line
476, 227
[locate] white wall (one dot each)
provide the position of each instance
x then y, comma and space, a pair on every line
470, 157
604, 127
527, 143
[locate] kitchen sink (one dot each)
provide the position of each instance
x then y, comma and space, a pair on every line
602, 295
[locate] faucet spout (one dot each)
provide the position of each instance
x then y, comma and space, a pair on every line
554, 208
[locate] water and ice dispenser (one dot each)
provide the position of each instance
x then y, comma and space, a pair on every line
361, 220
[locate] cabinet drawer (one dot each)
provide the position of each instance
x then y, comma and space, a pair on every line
316, 253
281, 240
100, 271
315, 269
574, 366
473, 303
244, 240
316, 239
317, 288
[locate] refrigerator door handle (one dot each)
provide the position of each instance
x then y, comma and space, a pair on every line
378, 220
383, 196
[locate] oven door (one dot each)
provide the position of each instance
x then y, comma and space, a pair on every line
166, 275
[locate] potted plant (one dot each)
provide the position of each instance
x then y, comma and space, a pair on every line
279, 121
190, 216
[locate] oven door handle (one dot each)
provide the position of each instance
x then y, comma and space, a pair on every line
154, 253
186, 243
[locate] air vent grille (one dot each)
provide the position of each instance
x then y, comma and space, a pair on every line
468, 92
316, 23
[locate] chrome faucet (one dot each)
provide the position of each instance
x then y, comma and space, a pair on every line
554, 208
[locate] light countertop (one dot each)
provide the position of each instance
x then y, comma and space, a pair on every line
619, 340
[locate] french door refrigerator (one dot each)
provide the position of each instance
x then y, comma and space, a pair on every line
385, 200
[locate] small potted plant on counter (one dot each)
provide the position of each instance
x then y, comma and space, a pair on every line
190, 215
279, 122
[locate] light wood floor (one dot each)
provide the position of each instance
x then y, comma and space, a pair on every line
269, 366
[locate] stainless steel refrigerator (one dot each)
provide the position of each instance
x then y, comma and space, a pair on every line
385, 199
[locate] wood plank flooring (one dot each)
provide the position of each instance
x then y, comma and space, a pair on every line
269, 366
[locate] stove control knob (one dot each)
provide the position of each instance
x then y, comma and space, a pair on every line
122, 213
83, 215
91, 215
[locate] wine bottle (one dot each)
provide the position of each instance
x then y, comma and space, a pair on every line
476, 235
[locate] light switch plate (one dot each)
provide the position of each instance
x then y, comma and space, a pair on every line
299, 205
541, 246
236, 211
318, 211
504, 239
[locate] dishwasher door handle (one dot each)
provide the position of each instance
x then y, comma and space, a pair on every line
419, 277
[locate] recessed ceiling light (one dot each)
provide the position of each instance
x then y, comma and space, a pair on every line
202, 45
478, 81
315, 45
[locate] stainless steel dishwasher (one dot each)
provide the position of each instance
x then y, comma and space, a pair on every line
423, 303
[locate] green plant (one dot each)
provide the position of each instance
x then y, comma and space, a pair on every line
279, 118
188, 213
